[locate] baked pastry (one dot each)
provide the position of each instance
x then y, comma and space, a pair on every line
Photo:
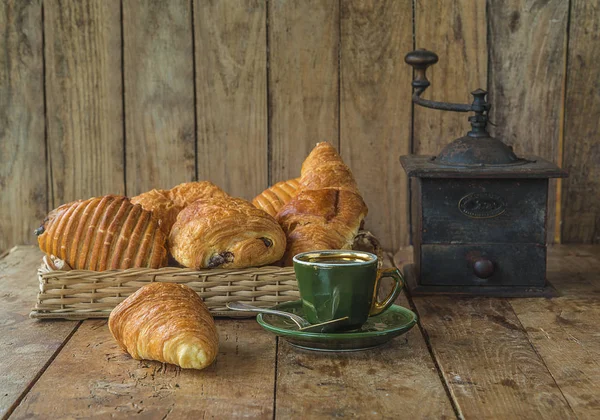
161, 206
321, 219
166, 322
225, 232
185, 194
273, 198
166, 204
328, 210
103, 233
334, 175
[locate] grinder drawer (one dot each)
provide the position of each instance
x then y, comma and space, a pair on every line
484, 265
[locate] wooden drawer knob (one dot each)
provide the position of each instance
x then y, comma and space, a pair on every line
483, 268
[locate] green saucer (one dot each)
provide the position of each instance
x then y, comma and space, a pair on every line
376, 331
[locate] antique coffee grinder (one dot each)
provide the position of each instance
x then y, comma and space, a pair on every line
479, 211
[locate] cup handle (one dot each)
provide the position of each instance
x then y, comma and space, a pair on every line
378, 307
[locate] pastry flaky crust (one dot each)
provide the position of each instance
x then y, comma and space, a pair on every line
161, 206
166, 322
328, 210
225, 232
166, 204
274, 198
104, 233
185, 194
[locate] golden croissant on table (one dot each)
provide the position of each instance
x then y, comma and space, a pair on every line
166, 322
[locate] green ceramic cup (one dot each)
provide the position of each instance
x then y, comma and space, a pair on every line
338, 283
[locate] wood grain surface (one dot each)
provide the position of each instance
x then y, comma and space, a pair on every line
26, 345
304, 41
559, 330
527, 47
375, 110
498, 358
575, 270
23, 182
84, 99
113, 96
389, 381
325, 385
581, 191
159, 94
564, 333
456, 31
239, 383
487, 361
231, 105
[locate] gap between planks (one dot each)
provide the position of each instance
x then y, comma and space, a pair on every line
38, 343
561, 265
539, 355
58, 359
17, 402
425, 335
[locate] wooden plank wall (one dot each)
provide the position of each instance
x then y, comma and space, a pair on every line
581, 156
121, 96
83, 97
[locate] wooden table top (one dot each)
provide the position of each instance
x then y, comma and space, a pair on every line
470, 357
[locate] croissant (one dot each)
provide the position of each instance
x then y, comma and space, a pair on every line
161, 206
166, 204
103, 233
273, 198
185, 194
328, 210
166, 322
225, 232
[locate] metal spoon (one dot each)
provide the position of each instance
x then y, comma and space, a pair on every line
239, 306
303, 324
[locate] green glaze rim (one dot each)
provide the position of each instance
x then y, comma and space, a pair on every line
341, 335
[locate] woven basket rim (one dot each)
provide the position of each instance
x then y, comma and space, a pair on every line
205, 271
90, 294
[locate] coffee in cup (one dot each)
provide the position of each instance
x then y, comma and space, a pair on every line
338, 283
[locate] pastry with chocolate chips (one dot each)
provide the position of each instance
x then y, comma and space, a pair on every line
225, 232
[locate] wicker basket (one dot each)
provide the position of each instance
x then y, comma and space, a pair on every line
82, 294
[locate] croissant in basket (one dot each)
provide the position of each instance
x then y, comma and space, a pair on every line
327, 211
166, 204
274, 198
225, 232
166, 322
103, 233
